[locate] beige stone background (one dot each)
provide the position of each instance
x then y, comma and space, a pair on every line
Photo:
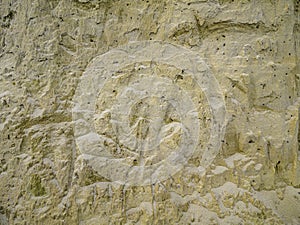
251, 47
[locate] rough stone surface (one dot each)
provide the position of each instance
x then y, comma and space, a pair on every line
149, 111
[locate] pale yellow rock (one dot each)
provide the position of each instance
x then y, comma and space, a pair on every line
194, 114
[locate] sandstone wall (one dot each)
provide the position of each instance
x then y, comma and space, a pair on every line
87, 85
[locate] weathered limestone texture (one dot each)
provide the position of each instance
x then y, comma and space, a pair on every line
149, 112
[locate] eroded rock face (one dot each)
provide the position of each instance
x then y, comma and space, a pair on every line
149, 112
